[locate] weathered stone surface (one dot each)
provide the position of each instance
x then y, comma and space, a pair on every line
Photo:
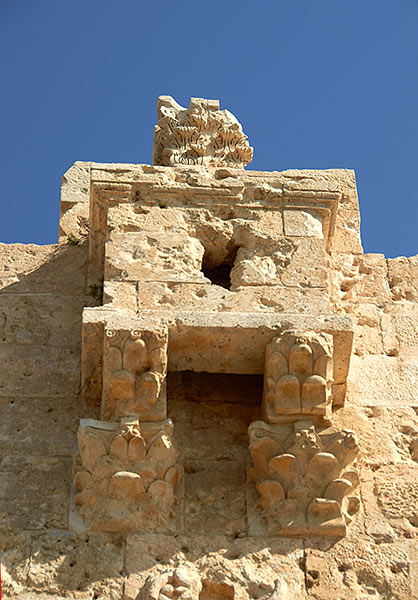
42, 371
33, 426
403, 277
212, 263
30, 269
199, 135
384, 380
74, 213
84, 566
213, 298
49, 320
214, 497
231, 568
15, 553
41, 485
361, 569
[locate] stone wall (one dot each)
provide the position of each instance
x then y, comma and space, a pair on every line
46, 550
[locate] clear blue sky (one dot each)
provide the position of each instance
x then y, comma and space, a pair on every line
316, 84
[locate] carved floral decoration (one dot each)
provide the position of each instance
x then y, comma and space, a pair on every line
135, 366
304, 477
126, 477
298, 376
172, 584
199, 135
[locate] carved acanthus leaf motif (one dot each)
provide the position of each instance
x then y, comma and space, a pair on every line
304, 477
135, 366
298, 376
199, 135
132, 471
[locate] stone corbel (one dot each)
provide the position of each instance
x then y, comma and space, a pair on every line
304, 470
305, 478
126, 475
298, 377
134, 374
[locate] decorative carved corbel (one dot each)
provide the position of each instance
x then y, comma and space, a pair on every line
126, 475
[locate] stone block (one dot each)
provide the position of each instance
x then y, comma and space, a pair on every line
230, 567
15, 551
330, 180
292, 262
346, 236
154, 256
400, 328
308, 265
41, 484
75, 196
391, 496
364, 279
359, 568
302, 223
49, 320
39, 371
84, 566
121, 294
235, 342
368, 335
403, 277
214, 497
129, 218
384, 380
31, 269
213, 298
395, 428
33, 425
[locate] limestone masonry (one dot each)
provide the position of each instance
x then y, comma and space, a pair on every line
208, 391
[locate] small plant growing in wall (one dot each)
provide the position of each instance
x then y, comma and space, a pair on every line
96, 290
72, 240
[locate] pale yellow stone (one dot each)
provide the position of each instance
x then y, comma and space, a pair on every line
78, 566
200, 266
403, 277
199, 135
74, 214
205, 297
384, 380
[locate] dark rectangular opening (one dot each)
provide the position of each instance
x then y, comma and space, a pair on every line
211, 414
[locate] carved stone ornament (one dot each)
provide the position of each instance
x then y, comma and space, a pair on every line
199, 135
172, 584
134, 370
298, 377
126, 475
304, 477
